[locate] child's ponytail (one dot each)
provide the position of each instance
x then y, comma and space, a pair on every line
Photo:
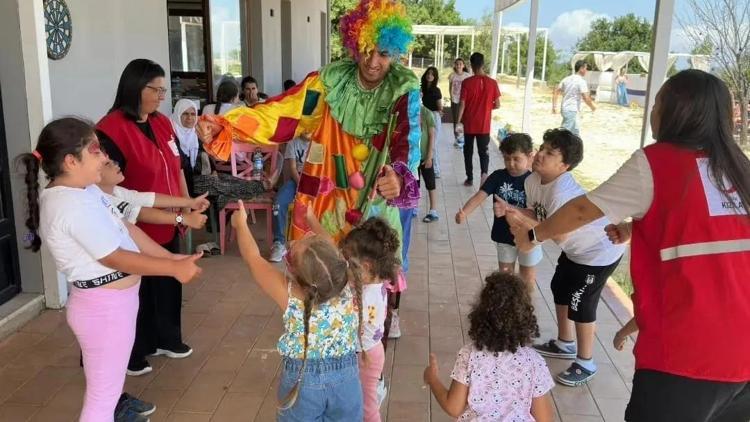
31, 163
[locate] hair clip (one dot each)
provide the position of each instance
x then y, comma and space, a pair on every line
36, 154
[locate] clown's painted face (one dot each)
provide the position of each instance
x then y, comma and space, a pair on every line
373, 68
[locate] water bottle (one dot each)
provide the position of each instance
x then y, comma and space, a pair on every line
275, 210
257, 165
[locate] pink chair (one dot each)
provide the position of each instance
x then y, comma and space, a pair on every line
242, 158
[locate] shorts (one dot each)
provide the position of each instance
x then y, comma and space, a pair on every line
579, 286
428, 175
507, 254
658, 396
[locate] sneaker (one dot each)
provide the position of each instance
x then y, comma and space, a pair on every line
382, 391
550, 349
128, 415
178, 352
468, 182
395, 330
278, 250
429, 218
437, 175
575, 375
140, 407
141, 368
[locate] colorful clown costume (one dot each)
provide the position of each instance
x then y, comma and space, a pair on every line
354, 132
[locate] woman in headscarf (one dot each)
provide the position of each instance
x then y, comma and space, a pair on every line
184, 118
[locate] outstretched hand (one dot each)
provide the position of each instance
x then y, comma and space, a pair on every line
207, 130
187, 269
519, 227
239, 217
388, 183
431, 371
200, 203
499, 206
619, 233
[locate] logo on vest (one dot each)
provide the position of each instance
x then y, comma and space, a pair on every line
727, 203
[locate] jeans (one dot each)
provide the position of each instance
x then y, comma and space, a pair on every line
483, 142
284, 197
570, 121
330, 389
407, 215
103, 321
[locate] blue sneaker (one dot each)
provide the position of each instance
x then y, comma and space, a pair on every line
138, 406
575, 375
128, 415
550, 349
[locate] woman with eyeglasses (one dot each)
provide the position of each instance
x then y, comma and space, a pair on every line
143, 141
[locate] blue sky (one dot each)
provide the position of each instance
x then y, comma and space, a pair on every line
569, 20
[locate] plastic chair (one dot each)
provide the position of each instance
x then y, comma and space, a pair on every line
242, 155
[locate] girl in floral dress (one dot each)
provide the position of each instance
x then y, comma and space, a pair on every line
497, 377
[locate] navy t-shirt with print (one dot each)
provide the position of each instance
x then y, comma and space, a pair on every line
510, 188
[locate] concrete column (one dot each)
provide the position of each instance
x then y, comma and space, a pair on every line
530, 62
544, 55
497, 23
657, 68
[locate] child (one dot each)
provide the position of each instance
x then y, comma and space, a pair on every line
294, 161
588, 257
506, 187
319, 294
426, 167
100, 255
619, 234
139, 206
375, 245
497, 377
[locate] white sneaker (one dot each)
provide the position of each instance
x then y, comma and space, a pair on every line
278, 250
395, 330
382, 391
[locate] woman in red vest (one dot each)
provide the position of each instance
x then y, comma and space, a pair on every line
143, 142
689, 196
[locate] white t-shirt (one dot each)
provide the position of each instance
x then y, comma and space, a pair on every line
129, 202
296, 150
573, 87
589, 244
80, 227
374, 303
208, 109
455, 81
627, 193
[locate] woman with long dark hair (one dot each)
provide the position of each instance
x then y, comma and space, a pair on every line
143, 142
432, 98
227, 98
689, 196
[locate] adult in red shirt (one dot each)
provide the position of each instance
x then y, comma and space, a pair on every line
479, 96
689, 196
143, 142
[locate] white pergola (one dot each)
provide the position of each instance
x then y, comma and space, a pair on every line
657, 66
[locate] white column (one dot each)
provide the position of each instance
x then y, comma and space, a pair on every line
458, 43
518, 60
544, 56
504, 47
435, 56
410, 53
657, 68
530, 61
442, 51
497, 24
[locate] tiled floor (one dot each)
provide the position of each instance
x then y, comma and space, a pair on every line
233, 329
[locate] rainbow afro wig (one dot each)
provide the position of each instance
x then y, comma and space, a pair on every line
376, 25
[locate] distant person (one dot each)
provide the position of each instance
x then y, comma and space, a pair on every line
479, 96
432, 98
621, 85
250, 92
573, 88
227, 97
454, 83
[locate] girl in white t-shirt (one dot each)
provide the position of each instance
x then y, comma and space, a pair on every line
100, 255
455, 79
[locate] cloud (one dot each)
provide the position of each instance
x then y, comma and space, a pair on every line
569, 27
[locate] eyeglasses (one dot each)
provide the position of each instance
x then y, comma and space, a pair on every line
159, 90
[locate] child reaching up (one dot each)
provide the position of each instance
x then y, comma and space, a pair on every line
319, 293
506, 187
374, 244
497, 377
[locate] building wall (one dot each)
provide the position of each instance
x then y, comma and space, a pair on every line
107, 34
306, 37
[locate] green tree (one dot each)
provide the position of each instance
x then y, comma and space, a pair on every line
624, 33
510, 56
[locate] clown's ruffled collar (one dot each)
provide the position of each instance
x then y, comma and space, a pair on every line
364, 113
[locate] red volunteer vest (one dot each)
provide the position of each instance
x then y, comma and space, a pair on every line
150, 168
690, 266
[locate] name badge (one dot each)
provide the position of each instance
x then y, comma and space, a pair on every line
173, 147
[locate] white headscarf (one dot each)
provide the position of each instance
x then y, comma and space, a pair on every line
188, 136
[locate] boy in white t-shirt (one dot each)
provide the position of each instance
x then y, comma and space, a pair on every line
135, 206
573, 89
587, 260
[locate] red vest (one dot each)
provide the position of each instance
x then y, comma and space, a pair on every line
690, 264
150, 168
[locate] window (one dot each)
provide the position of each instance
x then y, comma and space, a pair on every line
186, 44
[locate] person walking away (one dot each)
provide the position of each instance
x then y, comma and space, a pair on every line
573, 89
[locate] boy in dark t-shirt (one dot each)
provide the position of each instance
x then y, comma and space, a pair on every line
507, 188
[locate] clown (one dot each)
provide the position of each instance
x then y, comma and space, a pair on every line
362, 115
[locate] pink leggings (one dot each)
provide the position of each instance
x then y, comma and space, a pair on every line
103, 321
369, 375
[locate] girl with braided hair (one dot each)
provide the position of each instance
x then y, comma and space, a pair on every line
320, 294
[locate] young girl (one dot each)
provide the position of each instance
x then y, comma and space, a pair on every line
454, 82
375, 245
497, 377
432, 98
319, 294
101, 256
